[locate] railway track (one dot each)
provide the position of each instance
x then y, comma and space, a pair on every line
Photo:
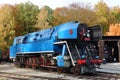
109, 76
10, 72
12, 76
97, 76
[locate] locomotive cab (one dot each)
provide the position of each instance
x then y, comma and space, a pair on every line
82, 32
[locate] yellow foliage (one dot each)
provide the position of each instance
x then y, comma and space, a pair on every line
42, 22
6, 26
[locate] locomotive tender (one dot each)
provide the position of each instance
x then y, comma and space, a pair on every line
65, 47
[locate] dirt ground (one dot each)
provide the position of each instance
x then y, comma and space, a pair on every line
10, 68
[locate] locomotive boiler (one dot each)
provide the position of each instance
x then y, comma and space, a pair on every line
66, 47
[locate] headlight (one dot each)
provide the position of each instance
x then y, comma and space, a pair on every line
88, 35
83, 56
97, 57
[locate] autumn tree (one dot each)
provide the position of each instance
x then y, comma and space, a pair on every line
75, 12
59, 15
25, 17
7, 24
114, 30
115, 14
45, 18
83, 13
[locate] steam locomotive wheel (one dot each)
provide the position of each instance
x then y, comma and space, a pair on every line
67, 70
27, 62
26, 66
76, 70
34, 64
59, 70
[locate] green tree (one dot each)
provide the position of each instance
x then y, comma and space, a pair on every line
7, 24
115, 14
25, 17
103, 13
44, 18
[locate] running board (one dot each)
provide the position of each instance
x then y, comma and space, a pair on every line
35, 52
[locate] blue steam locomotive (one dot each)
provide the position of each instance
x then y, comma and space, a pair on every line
66, 47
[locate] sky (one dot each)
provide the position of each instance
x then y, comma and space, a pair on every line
59, 3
